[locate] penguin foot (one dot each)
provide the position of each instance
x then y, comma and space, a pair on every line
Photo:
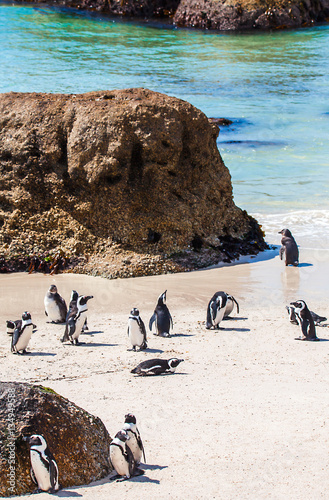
38, 490
139, 472
117, 477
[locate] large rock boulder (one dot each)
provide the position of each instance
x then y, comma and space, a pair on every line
78, 440
82, 174
248, 14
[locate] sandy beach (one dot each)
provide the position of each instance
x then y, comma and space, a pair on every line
245, 415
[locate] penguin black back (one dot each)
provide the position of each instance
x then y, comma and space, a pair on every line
161, 317
288, 248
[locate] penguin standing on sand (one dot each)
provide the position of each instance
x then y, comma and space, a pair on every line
73, 306
305, 320
22, 334
230, 305
157, 366
161, 317
289, 248
136, 330
135, 442
293, 318
44, 470
76, 320
122, 458
216, 310
55, 306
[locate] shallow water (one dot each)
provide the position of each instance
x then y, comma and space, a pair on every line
274, 86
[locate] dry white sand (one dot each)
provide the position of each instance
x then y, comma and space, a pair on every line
247, 413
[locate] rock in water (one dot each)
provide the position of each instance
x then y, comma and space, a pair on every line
78, 440
85, 173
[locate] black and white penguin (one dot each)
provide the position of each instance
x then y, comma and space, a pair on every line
157, 366
230, 306
12, 325
305, 320
136, 330
289, 248
22, 334
44, 470
216, 310
161, 317
55, 306
316, 318
76, 320
122, 458
73, 306
135, 442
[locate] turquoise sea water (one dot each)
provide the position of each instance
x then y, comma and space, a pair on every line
274, 86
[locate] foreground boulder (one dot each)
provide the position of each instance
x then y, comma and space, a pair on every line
246, 14
78, 440
104, 172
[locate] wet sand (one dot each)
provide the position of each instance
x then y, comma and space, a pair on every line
245, 415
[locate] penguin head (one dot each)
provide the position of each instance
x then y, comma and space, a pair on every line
134, 312
26, 316
285, 232
122, 436
53, 289
36, 441
299, 306
292, 314
83, 299
174, 362
130, 419
74, 295
162, 298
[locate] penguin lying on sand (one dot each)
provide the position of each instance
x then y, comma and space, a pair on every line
135, 442
136, 330
157, 366
55, 306
76, 320
229, 306
22, 334
305, 320
44, 470
289, 248
316, 318
161, 317
216, 310
122, 458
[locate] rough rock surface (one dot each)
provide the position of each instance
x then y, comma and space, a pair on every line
78, 440
248, 14
105, 173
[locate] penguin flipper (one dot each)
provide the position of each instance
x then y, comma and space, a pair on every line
140, 444
171, 321
33, 476
237, 305
131, 461
53, 472
152, 320
14, 339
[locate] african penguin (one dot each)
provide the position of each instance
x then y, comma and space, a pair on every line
55, 306
161, 317
74, 307
216, 309
122, 458
22, 334
305, 320
12, 325
136, 330
76, 320
44, 470
289, 248
230, 305
135, 441
293, 319
157, 366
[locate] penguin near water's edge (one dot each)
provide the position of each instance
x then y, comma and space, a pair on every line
289, 248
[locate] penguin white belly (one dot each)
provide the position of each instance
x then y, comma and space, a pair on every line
41, 473
24, 339
135, 336
229, 307
133, 445
79, 325
52, 310
119, 462
219, 316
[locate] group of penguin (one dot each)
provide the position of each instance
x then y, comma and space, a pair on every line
126, 449
126, 452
